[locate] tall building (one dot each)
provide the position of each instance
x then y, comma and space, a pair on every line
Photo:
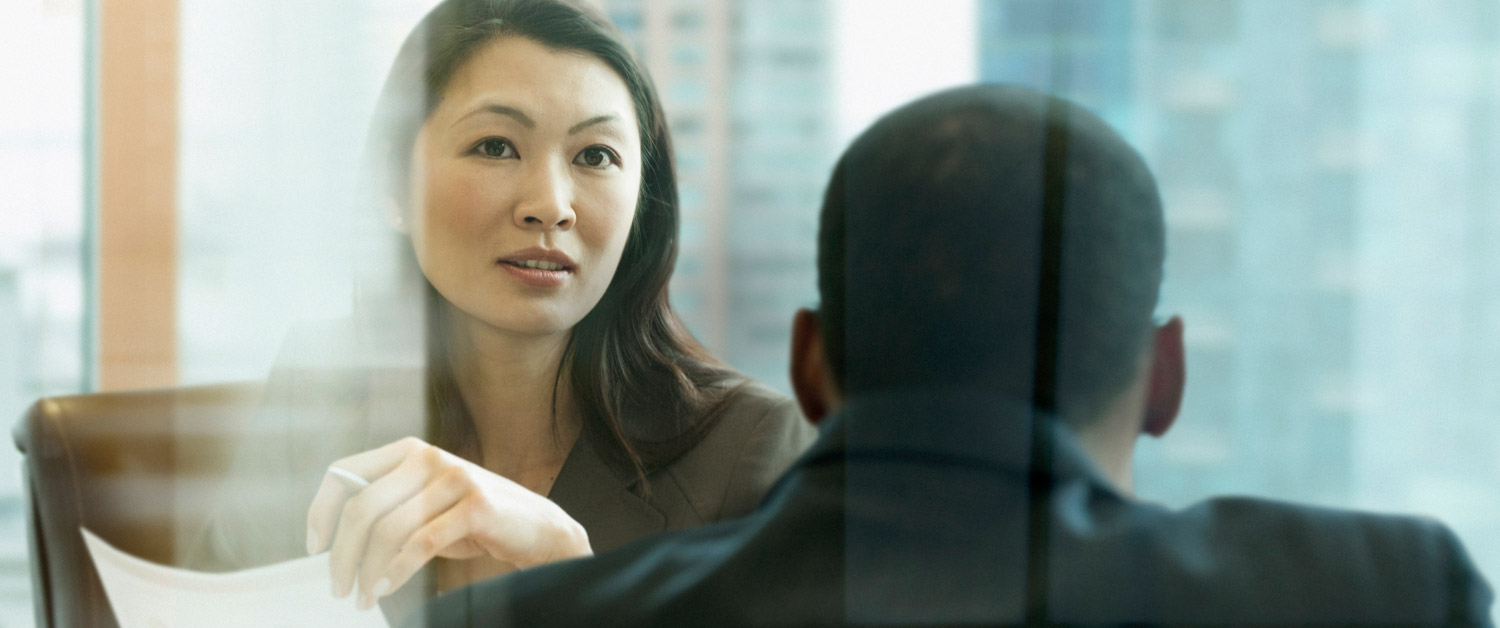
748, 93
1428, 322
1084, 45
1240, 108
1331, 170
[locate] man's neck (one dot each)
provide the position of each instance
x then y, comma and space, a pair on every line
1109, 439
1112, 452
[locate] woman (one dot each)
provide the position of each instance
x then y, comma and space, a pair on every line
568, 408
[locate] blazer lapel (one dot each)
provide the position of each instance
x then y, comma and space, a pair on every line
600, 499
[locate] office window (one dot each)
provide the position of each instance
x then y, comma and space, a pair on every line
45, 346
1330, 171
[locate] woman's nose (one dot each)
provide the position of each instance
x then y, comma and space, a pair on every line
547, 203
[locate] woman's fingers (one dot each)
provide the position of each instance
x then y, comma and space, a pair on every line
509, 523
394, 531
422, 503
336, 489
452, 527
364, 510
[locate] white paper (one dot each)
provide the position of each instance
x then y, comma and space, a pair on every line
292, 594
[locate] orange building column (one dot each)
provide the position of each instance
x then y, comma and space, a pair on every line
137, 194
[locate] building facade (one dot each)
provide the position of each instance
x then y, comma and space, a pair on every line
747, 86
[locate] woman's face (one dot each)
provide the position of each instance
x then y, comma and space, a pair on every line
526, 177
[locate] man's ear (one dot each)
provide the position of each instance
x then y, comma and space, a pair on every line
811, 380
1168, 376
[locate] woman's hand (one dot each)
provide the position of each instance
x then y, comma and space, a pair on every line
424, 502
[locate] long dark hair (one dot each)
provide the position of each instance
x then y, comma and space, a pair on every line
645, 389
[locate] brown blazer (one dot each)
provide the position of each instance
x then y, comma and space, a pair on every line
316, 415
723, 477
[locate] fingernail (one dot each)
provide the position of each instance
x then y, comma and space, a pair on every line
365, 602
335, 589
312, 541
381, 587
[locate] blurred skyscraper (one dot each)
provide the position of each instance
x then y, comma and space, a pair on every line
747, 85
1428, 321
1091, 41
1255, 108
1331, 173
1238, 107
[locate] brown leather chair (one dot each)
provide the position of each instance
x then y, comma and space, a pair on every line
137, 468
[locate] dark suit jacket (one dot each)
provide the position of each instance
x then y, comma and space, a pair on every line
913, 508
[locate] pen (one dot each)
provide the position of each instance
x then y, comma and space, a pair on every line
350, 479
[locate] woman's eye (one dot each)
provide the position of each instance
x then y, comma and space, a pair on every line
495, 148
597, 157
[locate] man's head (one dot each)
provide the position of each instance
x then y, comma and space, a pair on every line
931, 247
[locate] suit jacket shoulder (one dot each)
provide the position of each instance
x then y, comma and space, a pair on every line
1354, 567
1263, 562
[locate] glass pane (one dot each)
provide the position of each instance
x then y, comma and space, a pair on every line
268, 167
43, 315
1330, 168
1329, 172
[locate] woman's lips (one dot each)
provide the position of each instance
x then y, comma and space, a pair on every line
517, 264
536, 276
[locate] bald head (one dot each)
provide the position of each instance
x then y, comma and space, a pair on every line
931, 249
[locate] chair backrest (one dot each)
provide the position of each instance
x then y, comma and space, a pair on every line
137, 468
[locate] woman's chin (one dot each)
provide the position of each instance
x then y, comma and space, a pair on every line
532, 325
517, 317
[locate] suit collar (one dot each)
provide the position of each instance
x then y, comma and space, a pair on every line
603, 499
958, 425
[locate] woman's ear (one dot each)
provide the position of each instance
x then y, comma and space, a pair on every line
1168, 378
811, 381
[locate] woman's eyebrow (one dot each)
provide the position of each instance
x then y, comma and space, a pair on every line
503, 110
526, 121
608, 117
